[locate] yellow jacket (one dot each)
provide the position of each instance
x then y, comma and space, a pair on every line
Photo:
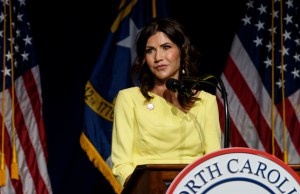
157, 132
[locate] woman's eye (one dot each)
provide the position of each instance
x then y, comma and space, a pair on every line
166, 47
148, 51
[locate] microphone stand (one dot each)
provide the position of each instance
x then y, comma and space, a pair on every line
203, 80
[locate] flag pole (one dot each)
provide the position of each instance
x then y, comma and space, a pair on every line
154, 9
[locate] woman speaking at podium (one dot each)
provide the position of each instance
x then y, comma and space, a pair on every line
152, 124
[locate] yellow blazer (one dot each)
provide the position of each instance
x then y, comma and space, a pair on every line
157, 132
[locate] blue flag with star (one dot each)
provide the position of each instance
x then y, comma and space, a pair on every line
111, 74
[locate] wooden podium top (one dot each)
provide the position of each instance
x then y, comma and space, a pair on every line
152, 178
296, 168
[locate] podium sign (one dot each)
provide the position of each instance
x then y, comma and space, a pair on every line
236, 170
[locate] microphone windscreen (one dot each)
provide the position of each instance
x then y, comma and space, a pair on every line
173, 84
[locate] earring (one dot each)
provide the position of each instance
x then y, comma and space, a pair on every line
183, 71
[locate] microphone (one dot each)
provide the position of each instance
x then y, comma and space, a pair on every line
177, 86
184, 88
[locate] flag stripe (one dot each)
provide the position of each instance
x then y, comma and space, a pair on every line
238, 120
235, 138
292, 123
251, 106
28, 138
33, 89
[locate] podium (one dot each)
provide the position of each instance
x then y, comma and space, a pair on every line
152, 178
156, 178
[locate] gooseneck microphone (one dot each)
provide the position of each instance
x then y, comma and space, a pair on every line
177, 86
184, 89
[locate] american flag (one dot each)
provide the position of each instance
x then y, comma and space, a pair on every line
23, 161
262, 79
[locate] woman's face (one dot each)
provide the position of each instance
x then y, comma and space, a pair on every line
162, 57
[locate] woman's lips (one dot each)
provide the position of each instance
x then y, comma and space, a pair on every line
160, 67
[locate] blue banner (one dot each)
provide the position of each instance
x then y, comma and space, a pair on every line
111, 74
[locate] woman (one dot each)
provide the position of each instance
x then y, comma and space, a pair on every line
153, 125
